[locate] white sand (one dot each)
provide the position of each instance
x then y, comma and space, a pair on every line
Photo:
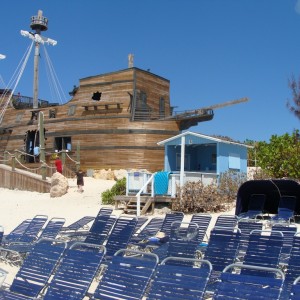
17, 206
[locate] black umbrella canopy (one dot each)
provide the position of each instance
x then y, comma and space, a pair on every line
272, 188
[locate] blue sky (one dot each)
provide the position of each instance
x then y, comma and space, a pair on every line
212, 51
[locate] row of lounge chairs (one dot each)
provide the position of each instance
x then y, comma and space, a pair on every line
182, 266
53, 271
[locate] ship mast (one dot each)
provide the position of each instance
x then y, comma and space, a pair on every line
39, 24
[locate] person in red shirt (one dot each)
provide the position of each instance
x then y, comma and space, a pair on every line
58, 164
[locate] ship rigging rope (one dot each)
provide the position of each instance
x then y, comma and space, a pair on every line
14, 80
2, 83
54, 84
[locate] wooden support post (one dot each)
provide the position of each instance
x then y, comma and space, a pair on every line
13, 163
42, 145
78, 156
63, 157
5, 157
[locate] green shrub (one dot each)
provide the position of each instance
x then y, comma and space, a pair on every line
119, 188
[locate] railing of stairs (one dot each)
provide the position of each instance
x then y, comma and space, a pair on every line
138, 195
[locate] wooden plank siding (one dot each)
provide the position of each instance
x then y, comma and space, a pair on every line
22, 180
108, 134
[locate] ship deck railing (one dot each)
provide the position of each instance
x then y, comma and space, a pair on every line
104, 105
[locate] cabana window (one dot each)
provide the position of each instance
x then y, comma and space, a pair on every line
234, 161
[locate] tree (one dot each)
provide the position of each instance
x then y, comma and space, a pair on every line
281, 156
251, 153
294, 107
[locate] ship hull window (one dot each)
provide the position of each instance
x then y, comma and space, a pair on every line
63, 143
32, 146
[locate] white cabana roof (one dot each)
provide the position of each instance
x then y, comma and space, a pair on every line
202, 136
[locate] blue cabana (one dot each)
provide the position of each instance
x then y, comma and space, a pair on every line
203, 154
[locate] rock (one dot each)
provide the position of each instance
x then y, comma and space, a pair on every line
120, 174
59, 185
104, 174
109, 174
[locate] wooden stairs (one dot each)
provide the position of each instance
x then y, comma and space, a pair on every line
129, 203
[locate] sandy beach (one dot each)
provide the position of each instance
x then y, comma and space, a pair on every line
17, 206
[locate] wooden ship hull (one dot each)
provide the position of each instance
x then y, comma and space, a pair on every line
113, 121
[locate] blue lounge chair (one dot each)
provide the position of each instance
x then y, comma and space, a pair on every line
169, 219
173, 281
164, 231
76, 272
183, 242
140, 223
105, 211
80, 229
139, 239
255, 207
222, 250
127, 275
97, 233
263, 250
295, 292
244, 287
202, 220
288, 231
154, 226
247, 226
120, 235
31, 233
13, 251
50, 231
226, 221
1, 233
293, 264
52, 228
36, 270
222, 247
27, 232
81, 224
100, 229
16, 233
3, 275
286, 209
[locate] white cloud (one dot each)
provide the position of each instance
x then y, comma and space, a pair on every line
297, 7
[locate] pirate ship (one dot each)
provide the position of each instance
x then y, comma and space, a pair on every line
115, 119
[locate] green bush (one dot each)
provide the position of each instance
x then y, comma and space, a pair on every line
119, 188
